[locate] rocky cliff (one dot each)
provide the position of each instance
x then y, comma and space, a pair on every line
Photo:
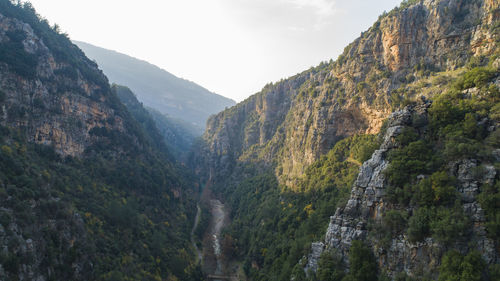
56, 104
87, 191
425, 78
368, 203
298, 119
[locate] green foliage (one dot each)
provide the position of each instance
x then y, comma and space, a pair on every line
494, 271
13, 54
274, 227
419, 224
59, 44
392, 224
437, 189
330, 267
339, 167
449, 225
406, 163
122, 204
362, 263
443, 224
477, 61
490, 202
394, 221
476, 77
122, 210
418, 174
443, 187
456, 267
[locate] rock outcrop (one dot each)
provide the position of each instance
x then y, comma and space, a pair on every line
368, 202
57, 105
295, 121
85, 188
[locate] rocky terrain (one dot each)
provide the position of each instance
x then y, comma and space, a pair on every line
61, 106
422, 56
300, 118
368, 202
87, 190
381, 165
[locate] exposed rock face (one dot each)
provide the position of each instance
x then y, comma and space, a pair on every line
50, 102
317, 249
64, 106
367, 201
367, 194
51, 94
299, 119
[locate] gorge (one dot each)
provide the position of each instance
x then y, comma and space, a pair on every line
381, 165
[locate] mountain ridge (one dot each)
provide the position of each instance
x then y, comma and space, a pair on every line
290, 155
157, 88
87, 191
355, 93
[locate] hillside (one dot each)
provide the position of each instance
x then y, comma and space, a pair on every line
177, 135
311, 111
157, 88
88, 191
419, 90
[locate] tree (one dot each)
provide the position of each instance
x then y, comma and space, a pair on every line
456, 267
362, 264
330, 267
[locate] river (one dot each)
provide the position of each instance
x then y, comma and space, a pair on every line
219, 217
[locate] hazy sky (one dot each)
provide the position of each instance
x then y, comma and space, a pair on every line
231, 47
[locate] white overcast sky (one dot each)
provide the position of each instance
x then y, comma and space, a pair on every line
231, 47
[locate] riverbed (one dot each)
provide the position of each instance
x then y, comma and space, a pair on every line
219, 218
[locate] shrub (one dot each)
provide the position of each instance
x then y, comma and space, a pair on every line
419, 224
395, 221
476, 77
443, 187
408, 162
13, 54
490, 201
330, 267
455, 267
363, 266
449, 225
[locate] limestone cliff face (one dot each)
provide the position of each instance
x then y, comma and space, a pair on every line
368, 202
57, 105
297, 120
52, 95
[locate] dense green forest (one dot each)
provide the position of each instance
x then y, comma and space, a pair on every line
273, 226
122, 210
122, 207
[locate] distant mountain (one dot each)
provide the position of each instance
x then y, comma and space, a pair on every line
157, 88
177, 134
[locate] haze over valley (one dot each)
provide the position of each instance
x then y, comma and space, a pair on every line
380, 162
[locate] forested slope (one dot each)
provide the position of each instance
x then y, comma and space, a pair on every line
300, 151
87, 192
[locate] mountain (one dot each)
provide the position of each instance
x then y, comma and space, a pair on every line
88, 188
381, 165
177, 134
156, 88
386, 157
